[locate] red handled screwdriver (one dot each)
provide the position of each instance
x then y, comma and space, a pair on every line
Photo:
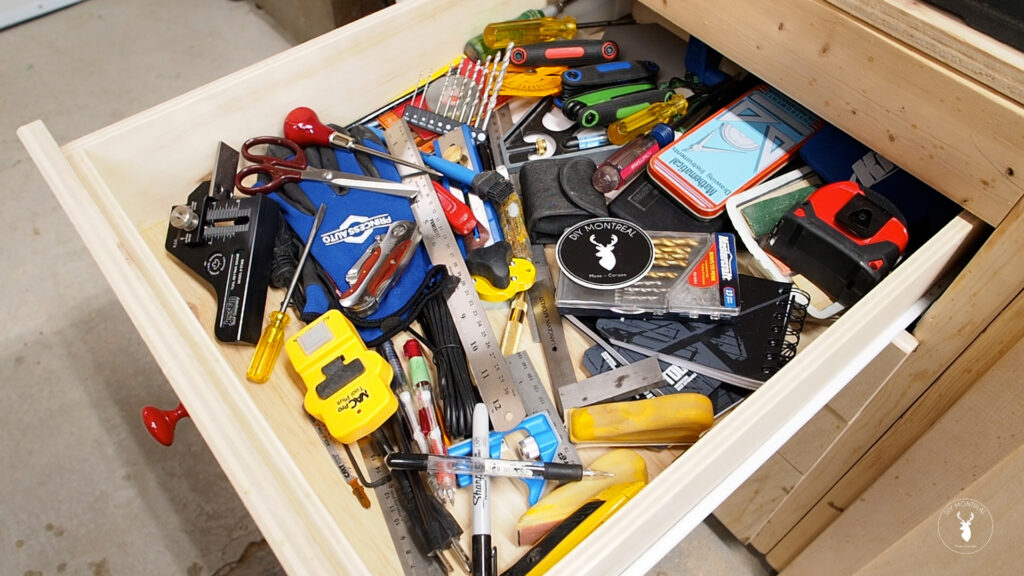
303, 127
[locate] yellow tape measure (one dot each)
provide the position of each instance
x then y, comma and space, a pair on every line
348, 387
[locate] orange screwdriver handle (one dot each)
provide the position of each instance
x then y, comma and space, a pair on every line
161, 423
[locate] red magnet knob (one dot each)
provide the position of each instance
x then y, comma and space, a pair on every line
303, 127
161, 423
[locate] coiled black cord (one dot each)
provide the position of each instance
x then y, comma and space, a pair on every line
455, 388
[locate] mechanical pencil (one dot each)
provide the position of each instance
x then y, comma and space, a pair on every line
490, 467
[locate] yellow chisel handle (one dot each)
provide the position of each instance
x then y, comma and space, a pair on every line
672, 419
571, 531
268, 348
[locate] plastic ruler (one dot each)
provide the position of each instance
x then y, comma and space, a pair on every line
536, 399
483, 353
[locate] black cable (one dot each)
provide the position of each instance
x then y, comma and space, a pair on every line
455, 388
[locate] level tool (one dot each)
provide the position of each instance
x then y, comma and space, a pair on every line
536, 400
483, 353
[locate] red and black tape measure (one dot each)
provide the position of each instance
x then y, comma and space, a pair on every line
844, 238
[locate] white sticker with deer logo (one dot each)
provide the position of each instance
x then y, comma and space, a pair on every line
965, 526
605, 253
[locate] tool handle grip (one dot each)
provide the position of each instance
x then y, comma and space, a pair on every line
491, 262
565, 53
500, 34
573, 106
268, 348
460, 217
604, 113
641, 122
608, 73
456, 172
303, 127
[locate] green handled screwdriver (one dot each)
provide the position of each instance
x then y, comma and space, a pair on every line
269, 346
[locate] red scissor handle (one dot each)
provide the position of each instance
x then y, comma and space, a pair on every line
280, 170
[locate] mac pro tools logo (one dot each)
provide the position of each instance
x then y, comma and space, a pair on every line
965, 526
356, 229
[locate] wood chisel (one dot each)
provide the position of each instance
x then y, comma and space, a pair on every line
489, 369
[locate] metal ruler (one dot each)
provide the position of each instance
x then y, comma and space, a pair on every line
619, 384
536, 400
549, 328
483, 353
413, 561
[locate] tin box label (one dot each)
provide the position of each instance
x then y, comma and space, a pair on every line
737, 147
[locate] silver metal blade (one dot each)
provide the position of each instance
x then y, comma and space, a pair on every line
364, 183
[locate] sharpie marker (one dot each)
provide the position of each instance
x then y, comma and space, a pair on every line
485, 556
490, 467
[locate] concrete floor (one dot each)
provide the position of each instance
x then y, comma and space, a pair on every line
83, 488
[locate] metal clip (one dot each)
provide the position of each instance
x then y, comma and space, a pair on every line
379, 266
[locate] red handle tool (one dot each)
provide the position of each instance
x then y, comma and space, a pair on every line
303, 127
460, 216
570, 53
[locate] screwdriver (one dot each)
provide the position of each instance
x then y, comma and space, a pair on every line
643, 121
500, 34
269, 346
304, 127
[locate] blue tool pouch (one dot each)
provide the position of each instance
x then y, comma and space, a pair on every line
353, 220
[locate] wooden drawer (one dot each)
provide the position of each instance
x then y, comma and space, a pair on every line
118, 184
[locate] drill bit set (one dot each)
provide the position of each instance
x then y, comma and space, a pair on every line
468, 94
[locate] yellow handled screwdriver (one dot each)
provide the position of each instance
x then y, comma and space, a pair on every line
269, 346
535, 30
643, 121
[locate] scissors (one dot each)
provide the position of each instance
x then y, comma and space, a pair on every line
282, 171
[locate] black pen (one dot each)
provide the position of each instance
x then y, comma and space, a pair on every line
490, 467
485, 556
